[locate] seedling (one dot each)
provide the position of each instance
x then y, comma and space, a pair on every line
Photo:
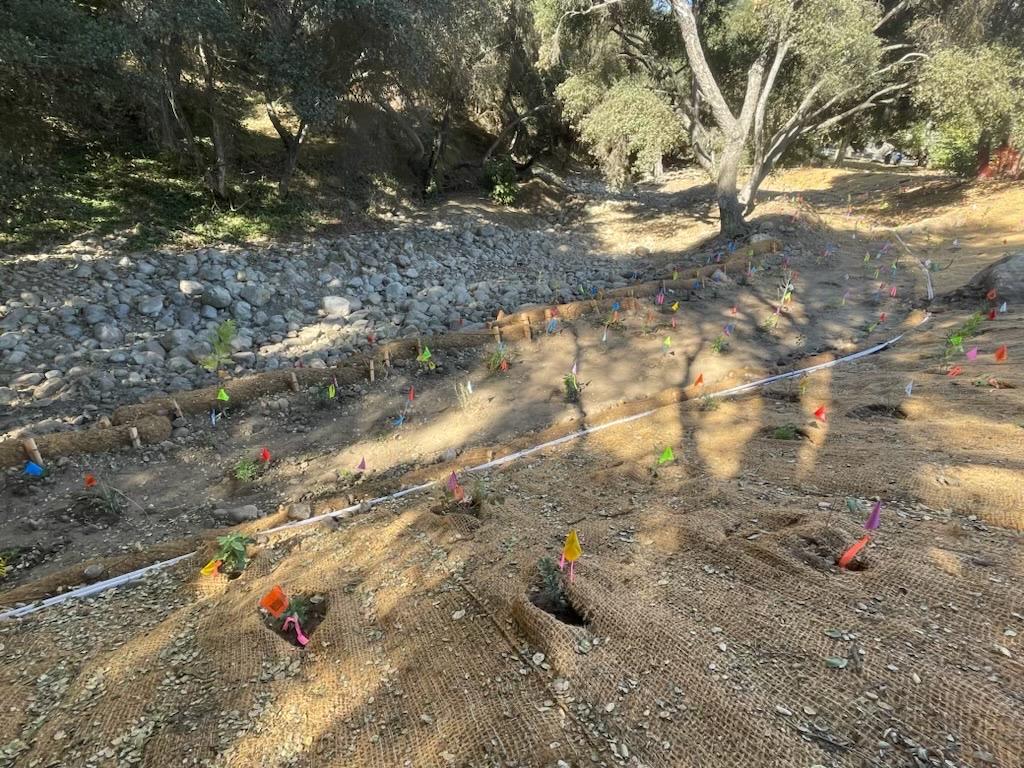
246, 470
109, 501
500, 358
220, 340
786, 432
572, 388
326, 396
769, 323
232, 552
552, 584
426, 359
720, 345
955, 340
709, 403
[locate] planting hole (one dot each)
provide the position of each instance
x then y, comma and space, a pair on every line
310, 611
549, 595
877, 411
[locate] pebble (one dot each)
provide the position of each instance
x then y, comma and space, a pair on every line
459, 614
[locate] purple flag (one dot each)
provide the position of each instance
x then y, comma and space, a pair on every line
362, 465
876, 517
453, 483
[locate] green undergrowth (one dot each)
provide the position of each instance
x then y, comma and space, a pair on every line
151, 201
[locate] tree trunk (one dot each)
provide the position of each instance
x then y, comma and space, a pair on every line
292, 145
220, 187
291, 162
437, 150
844, 143
729, 207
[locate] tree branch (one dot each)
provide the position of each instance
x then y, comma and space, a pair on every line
699, 66
892, 12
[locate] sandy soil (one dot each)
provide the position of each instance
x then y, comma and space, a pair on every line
717, 629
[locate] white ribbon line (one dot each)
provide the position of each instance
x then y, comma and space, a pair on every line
118, 581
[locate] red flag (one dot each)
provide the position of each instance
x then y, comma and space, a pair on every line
820, 413
881, 318
992, 314
991, 295
1001, 354
956, 370
853, 551
90, 481
265, 456
700, 380
412, 393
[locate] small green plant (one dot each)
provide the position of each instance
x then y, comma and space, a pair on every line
501, 181
220, 340
232, 552
720, 345
955, 340
426, 359
709, 403
552, 585
572, 388
786, 432
104, 498
769, 323
246, 470
500, 358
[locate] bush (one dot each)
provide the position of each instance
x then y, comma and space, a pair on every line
501, 181
955, 149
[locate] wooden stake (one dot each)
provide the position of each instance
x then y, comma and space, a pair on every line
295, 382
387, 357
373, 372
133, 433
177, 409
419, 347
527, 328
496, 332
33, 452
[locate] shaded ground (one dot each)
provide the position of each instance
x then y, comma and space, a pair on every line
718, 630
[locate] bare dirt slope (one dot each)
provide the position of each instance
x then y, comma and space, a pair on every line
713, 626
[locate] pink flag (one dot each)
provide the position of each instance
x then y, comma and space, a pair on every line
362, 465
972, 353
453, 483
293, 622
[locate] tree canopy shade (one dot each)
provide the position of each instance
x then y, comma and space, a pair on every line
747, 79
184, 76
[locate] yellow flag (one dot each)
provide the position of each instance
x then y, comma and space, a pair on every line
571, 551
210, 568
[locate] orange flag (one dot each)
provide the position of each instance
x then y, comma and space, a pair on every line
1001, 354
820, 413
275, 602
699, 381
853, 551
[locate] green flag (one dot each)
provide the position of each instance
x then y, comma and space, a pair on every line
222, 395
666, 456
424, 355
331, 391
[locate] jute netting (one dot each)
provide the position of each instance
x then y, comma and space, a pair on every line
716, 630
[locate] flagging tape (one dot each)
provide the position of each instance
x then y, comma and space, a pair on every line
127, 578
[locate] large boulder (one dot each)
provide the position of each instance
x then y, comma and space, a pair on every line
1006, 276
